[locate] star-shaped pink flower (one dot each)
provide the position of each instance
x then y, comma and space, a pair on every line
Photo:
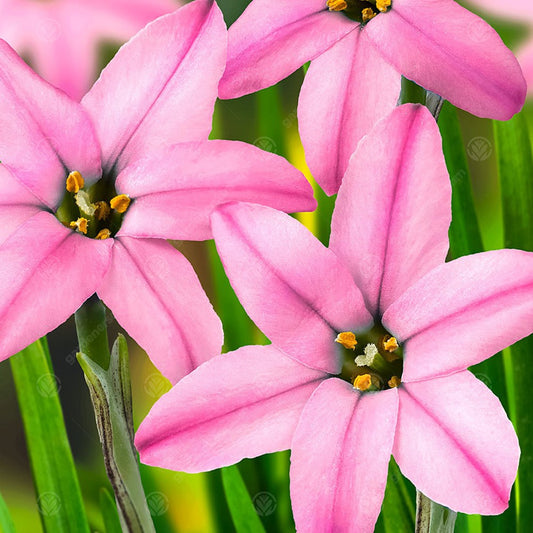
61, 38
139, 169
354, 77
522, 11
379, 311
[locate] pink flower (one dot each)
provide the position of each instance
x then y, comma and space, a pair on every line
522, 11
383, 284
137, 149
61, 37
354, 77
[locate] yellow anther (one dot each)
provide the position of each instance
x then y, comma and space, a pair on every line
383, 5
394, 382
368, 14
347, 339
75, 182
120, 203
337, 5
80, 225
102, 210
390, 344
366, 382
103, 234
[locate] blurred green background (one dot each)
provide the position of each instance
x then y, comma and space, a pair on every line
197, 503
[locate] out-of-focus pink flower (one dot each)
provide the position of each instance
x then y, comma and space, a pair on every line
61, 38
129, 167
354, 77
379, 311
521, 11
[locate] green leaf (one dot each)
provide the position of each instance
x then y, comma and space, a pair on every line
398, 509
241, 507
56, 482
109, 511
6, 524
515, 165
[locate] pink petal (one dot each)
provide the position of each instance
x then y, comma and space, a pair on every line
242, 404
452, 52
161, 87
46, 272
340, 458
390, 224
463, 312
156, 296
187, 181
293, 288
456, 444
525, 56
44, 133
269, 42
345, 92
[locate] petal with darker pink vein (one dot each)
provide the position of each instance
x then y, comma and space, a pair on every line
46, 273
456, 444
161, 87
340, 458
345, 92
242, 404
156, 296
296, 290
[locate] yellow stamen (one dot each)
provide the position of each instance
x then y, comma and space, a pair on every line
394, 382
75, 182
368, 14
120, 203
102, 210
365, 382
347, 339
383, 5
337, 5
80, 225
103, 234
390, 344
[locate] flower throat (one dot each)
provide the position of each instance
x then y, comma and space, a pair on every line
360, 10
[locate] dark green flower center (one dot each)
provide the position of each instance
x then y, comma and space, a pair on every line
362, 11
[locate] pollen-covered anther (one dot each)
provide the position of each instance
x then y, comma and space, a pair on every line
102, 210
390, 344
394, 382
120, 203
337, 5
366, 382
103, 234
368, 14
383, 5
75, 182
347, 339
80, 225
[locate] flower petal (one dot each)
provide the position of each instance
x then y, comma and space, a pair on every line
391, 220
269, 42
161, 87
456, 444
525, 57
46, 272
293, 288
156, 296
340, 458
242, 404
463, 312
45, 134
187, 181
452, 52
345, 92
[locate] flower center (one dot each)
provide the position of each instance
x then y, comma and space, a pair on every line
361, 11
372, 361
96, 212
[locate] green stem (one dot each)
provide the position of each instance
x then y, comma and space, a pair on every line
432, 517
107, 376
412, 93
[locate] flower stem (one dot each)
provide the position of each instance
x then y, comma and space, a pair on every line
432, 517
108, 378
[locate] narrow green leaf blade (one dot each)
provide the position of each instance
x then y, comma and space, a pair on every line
515, 165
109, 511
56, 482
241, 507
398, 509
6, 524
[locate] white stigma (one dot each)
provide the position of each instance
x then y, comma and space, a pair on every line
370, 353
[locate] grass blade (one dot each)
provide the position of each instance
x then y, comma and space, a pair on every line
6, 524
